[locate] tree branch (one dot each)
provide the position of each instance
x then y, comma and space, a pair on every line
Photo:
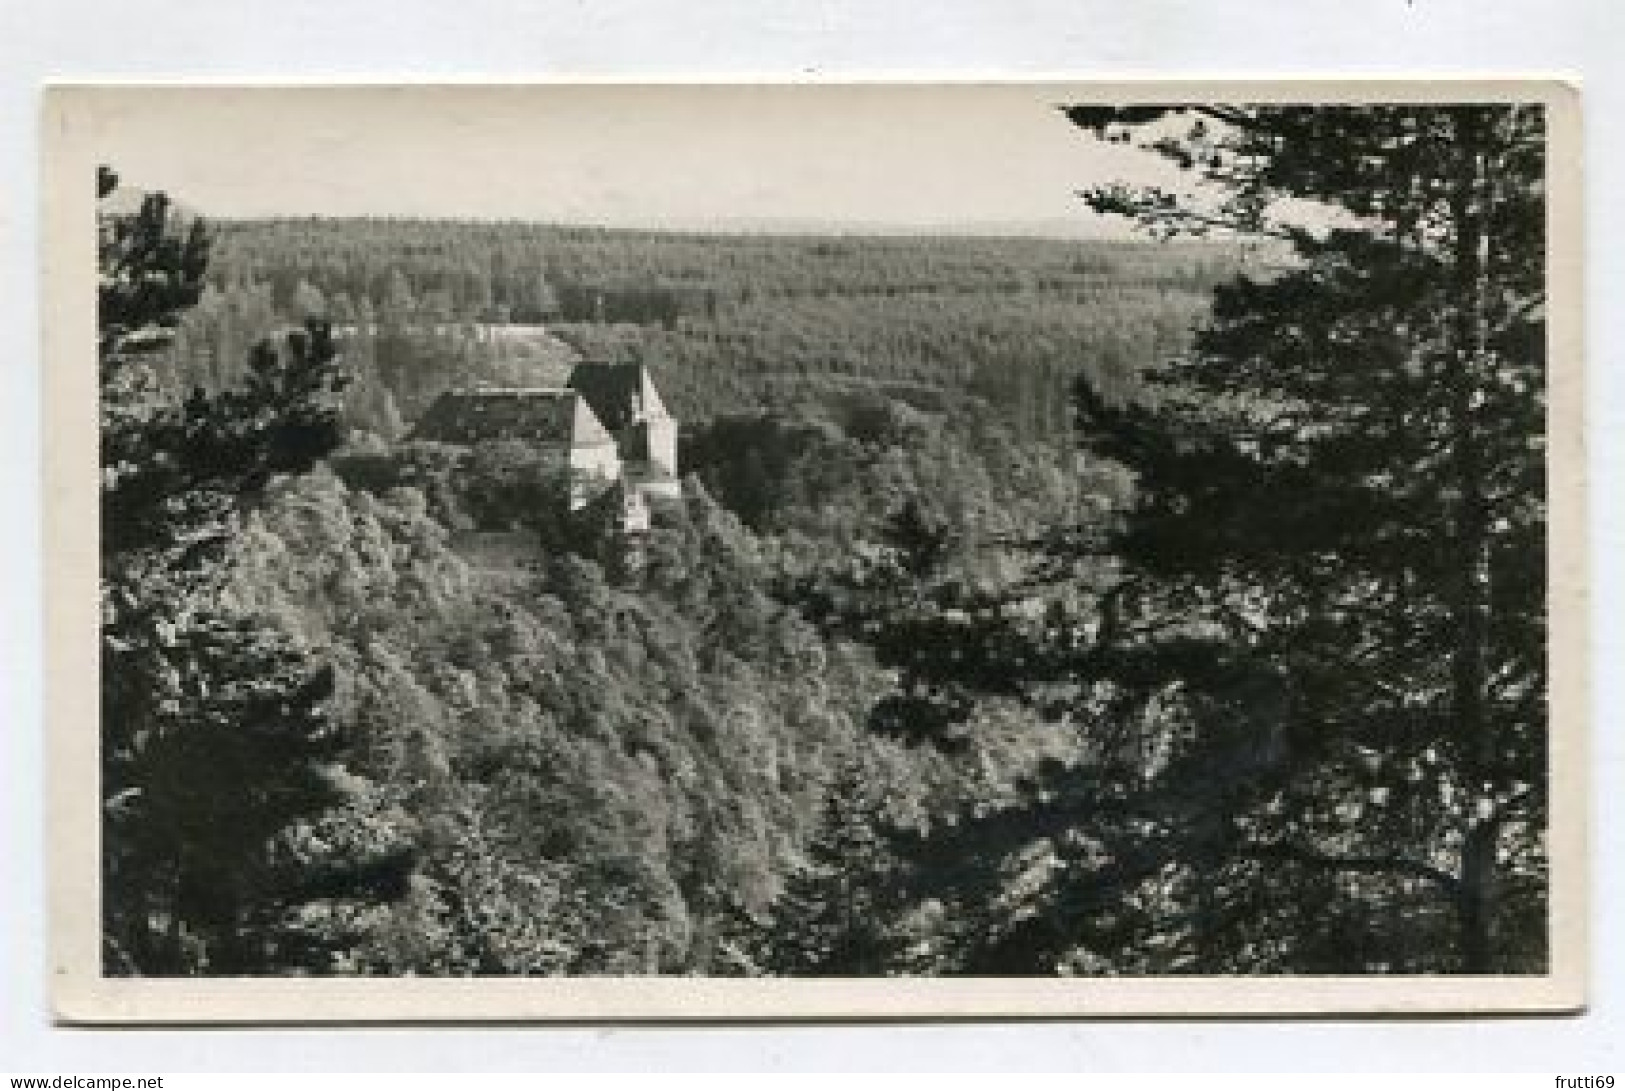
1363, 865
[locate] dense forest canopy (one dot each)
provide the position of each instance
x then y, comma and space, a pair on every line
1344, 484
1314, 664
590, 767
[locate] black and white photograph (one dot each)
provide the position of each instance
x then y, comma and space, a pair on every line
979, 547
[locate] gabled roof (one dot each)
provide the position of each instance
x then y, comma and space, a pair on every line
616, 392
538, 415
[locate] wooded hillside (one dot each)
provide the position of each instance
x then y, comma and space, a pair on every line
1032, 607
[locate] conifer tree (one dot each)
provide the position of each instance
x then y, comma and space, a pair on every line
1332, 610
836, 916
215, 733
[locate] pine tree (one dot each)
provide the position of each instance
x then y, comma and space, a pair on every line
216, 735
836, 916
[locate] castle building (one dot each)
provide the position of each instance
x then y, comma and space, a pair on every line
608, 425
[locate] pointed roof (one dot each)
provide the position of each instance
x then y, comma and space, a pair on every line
537, 414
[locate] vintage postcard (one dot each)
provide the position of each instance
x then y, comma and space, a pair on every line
814, 550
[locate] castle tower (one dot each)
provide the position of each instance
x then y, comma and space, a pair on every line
624, 398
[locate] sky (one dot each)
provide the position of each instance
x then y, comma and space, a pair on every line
973, 158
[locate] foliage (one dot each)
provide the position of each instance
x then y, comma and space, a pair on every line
1332, 607
564, 738
729, 324
1239, 671
1303, 656
838, 914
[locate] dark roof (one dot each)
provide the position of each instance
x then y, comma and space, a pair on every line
611, 390
537, 415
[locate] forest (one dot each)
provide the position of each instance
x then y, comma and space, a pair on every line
1033, 607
